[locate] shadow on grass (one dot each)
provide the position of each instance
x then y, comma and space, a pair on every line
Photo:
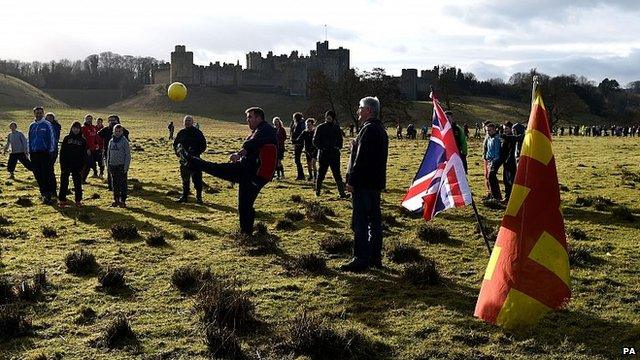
187, 224
597, 218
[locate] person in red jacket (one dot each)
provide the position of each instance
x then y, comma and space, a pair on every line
90, 134
100, 155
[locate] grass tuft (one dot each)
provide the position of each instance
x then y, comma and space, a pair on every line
293, 215
336, 244
118, 333
311, 336
24, 201
285, 225
296, 199
310, 263
80, 262
224, 305
189, 278
189, 235
155, 239
49, 231
422, 273
12, 322
577, 234
222, 343
581, 256
431, 234
4, 221
124, 232
113, 278
404, 253
623, 213
317, 212
86, 315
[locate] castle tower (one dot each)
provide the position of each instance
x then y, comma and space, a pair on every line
409, 84
182, 65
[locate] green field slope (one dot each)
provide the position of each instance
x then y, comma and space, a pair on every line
380, 314
16, 94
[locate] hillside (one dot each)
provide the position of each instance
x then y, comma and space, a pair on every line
15, 93
212, 103
87, 98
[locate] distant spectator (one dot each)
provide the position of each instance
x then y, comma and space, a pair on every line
328, 140
19, 150
192, 140
90, 134
297, 127
460, 137
493, 157
399, 131
99, 155
310, 151
281, 135
118, 161
171, 129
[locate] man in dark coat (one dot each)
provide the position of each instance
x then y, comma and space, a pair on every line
252, 167
192, 140
366, 178
328, 140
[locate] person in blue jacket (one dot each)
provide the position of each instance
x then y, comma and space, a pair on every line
42, 147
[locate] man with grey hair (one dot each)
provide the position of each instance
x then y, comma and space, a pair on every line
366, 178
192, 140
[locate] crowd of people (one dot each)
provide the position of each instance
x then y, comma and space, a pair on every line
95, 148
597, 130
90, 148
86, 148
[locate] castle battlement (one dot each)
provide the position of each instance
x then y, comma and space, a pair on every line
272, 73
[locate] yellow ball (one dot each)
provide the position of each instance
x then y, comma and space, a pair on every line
177, 91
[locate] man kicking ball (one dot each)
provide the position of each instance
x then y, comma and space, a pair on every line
252, 167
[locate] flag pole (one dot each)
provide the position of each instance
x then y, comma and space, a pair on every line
473, 203
479, 220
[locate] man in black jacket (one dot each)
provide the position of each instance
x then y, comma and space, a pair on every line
297, 127
328, 140
252, 167
192, 140
366, 178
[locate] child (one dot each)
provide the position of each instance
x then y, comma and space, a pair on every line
118, 160
72, 161
306, 138
99, 158
19, 150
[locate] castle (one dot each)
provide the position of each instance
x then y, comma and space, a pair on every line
282, 74
285, 74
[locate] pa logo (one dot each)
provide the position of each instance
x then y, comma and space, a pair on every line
628, 351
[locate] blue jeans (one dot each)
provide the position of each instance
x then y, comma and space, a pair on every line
366, 222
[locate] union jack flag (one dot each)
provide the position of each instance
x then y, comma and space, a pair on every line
441, 182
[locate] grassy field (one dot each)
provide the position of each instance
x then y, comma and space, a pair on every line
384, 314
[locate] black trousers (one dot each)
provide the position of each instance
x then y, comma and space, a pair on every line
508, 178
297, 158
118, 183
42, 166
329, 159
494, 185
248, 189
463, 157
13, 161
189, 175
64, 184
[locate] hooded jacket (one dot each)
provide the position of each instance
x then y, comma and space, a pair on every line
73, 152
119, 153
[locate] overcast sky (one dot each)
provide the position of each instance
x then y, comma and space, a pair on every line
593, 38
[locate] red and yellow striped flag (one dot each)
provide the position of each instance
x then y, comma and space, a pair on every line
528, 272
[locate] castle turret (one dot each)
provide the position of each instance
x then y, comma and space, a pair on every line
409, 83
182, 65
